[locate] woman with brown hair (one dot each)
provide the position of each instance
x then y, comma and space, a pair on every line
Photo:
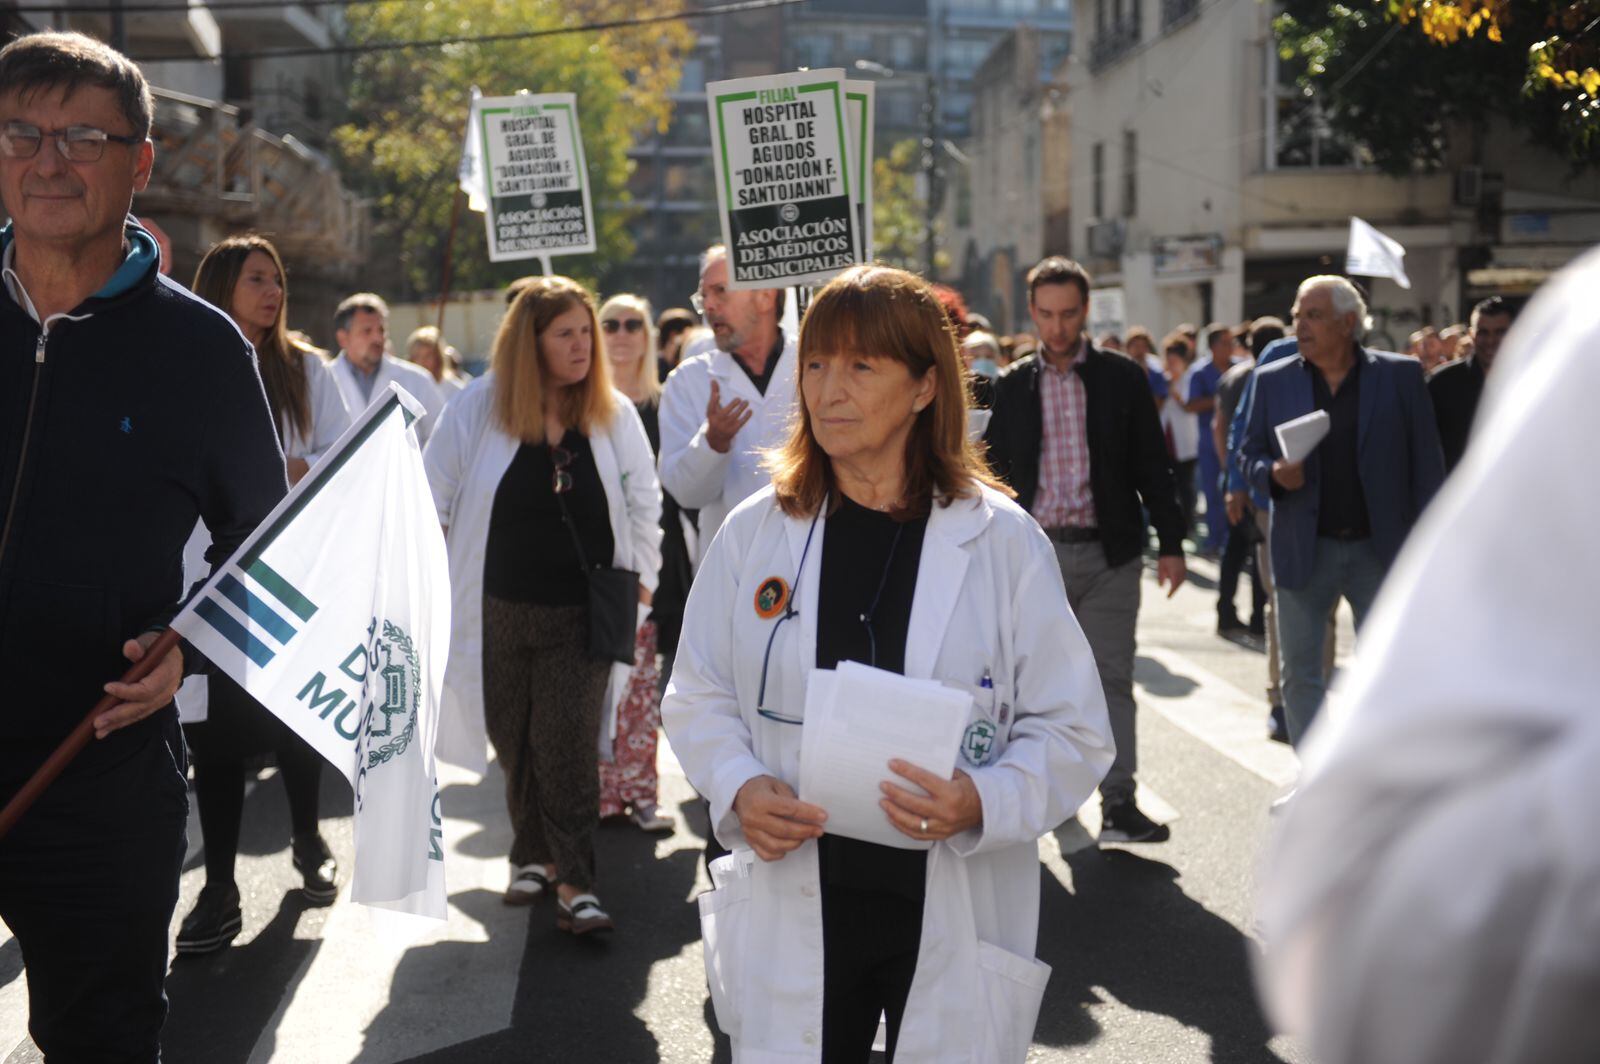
542, 473
886, 535
244, 276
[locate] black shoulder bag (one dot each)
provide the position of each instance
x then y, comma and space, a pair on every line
613, 602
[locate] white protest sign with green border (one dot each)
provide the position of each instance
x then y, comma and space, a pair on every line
537, 180
781, 147
860, 97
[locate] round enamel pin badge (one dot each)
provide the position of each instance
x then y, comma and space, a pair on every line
771, 597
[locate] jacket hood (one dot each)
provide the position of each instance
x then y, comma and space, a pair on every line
139, 268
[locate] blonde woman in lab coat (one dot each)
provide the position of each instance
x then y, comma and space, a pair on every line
883, 540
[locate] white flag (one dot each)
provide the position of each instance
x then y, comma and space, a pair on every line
335, 615
469, 175
1371, 254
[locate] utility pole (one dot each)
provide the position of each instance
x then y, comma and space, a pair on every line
119, 31
932, 137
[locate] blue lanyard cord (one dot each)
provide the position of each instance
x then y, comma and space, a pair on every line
788, 611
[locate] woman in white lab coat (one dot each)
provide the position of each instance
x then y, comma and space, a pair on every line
223, 725
883, 540
540, 470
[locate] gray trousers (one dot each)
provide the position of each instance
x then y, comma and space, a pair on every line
1106, 603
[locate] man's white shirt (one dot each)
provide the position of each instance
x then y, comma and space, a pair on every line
414, 379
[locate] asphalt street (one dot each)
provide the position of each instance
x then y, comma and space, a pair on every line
1149, 944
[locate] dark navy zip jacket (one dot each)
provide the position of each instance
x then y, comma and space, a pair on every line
123, 423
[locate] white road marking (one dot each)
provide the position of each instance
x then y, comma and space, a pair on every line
1221, 716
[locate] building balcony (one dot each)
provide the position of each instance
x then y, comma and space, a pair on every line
281, 26
210, 165
181, 29
1175, 13
1113, 42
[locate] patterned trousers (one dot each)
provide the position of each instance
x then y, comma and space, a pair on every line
542, 697
629, 779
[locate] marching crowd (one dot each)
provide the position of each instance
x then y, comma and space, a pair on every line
635, 506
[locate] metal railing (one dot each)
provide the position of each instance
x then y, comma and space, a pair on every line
1113, 42
210, 163
1176, 12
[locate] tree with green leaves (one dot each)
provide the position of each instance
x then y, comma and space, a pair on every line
401, 141
1402, 76
899, 214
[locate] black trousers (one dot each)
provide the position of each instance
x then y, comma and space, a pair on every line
870, 940
1236, 559
236, 727
1188, 493
88, 882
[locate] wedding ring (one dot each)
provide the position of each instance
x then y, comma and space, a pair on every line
924, 825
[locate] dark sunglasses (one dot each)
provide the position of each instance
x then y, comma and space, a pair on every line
633, 325
561, 480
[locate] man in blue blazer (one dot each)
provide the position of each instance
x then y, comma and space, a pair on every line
1338, 518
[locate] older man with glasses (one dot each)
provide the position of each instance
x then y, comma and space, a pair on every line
723, 409
129, 410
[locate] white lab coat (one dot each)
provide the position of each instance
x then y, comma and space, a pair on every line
329, 419
1432, 893
989, 598
691, 471
465, 460
414, 379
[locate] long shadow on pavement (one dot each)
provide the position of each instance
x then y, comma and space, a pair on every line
238, 976
1127, 926
222, 1003
576, 998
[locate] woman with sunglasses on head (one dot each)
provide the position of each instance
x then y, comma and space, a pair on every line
542, 473
887, 539
628, 782
245, 276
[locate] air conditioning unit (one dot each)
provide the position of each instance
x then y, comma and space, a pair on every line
1469, 186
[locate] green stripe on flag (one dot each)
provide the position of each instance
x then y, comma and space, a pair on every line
282, 590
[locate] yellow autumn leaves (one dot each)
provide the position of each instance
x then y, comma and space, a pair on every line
1550, 61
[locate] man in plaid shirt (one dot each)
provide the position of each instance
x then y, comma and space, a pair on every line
1076, 434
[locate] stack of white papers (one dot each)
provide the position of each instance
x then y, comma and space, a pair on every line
1298, 437
857, 719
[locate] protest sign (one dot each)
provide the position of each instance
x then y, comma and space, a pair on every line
537, 181
860, 96
781, 149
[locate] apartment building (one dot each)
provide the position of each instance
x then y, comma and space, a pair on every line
1204, 185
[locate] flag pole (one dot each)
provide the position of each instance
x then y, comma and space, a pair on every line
449, 250
74, 743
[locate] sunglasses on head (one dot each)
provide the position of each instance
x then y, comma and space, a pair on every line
632, 325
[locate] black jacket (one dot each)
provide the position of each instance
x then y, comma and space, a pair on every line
1455, 389
130, 419
1128, 460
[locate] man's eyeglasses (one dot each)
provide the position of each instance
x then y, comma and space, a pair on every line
77, 144
561, 480
697, 299
632, 325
